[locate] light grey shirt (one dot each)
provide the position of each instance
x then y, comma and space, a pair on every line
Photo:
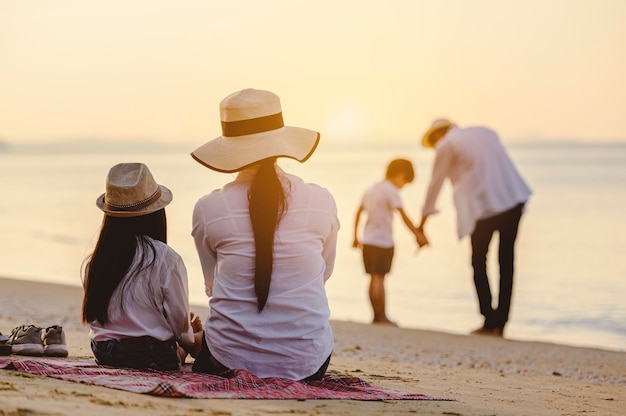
156, 302
484, 180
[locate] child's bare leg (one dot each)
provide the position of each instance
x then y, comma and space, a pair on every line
377, 298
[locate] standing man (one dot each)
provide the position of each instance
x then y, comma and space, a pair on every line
489, 196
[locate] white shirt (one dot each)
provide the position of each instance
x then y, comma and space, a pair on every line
291, 337
380, 201
484, 180
156, 302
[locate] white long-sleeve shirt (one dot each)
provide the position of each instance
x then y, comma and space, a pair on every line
156, 302
291, 337
484, 180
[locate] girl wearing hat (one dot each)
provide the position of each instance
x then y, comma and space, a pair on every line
135, 285
266, 243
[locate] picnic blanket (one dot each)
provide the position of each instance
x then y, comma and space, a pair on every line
185, 383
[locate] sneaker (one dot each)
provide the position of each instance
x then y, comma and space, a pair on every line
53, 340
26, 340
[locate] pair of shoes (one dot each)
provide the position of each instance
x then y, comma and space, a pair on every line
5, 347
497, 332
35, 341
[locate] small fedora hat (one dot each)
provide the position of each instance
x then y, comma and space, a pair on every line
253, 130
437, 125
131, 191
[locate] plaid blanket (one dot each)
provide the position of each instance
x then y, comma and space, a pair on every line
185, 383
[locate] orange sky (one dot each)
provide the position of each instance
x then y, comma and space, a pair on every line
355, 70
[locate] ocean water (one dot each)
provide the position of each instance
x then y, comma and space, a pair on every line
570, 284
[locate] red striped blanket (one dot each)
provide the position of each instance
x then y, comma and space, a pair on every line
185, 383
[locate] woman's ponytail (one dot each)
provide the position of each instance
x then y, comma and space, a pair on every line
267, 203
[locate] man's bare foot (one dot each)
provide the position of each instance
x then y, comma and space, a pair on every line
497, 332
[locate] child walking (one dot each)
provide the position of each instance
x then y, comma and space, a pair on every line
379, 202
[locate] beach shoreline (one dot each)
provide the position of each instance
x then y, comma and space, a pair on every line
482, 375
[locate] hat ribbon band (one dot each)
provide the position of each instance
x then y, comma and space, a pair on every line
252, 125
136, 206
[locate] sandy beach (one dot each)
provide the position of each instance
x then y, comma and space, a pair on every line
482, 375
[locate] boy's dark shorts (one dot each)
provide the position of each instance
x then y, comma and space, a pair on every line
377, 260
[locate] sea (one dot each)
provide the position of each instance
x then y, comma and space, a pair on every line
570, 281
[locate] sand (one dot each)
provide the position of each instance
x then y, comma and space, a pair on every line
483, 375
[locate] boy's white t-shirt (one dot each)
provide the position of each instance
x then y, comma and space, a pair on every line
380, 201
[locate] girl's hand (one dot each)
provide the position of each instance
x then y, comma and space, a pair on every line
196, 322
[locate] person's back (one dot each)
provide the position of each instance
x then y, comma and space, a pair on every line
147, 291
483, 176
489, 197
279, 336
267, 244
380, 201
135, 286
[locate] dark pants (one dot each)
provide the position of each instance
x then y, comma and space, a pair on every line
506, 224
206, 363
140, 352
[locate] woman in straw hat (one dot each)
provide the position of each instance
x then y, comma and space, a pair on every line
135, 285
266, 242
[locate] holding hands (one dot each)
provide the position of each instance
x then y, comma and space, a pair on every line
420, 237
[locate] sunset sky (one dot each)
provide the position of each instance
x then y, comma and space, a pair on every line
352, 69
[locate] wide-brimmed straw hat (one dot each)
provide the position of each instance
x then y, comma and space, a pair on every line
131, 191
253, 130
437, 125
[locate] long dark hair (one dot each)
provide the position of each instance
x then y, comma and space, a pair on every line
111, 260
267, 203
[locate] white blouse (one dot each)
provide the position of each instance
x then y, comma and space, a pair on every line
156, 303
484, 180
291, 337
